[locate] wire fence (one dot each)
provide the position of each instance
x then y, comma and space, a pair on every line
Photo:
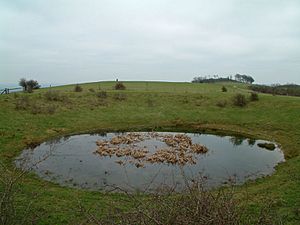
9, 90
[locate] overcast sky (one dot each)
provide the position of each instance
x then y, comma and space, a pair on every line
71, 41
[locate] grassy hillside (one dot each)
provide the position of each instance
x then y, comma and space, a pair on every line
28, 119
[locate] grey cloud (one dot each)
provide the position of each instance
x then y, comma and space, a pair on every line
72, 41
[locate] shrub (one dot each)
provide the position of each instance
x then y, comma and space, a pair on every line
92, 90
77, 88
120, 86
253, 96
239, 100
224, 89
221, 103
101, 94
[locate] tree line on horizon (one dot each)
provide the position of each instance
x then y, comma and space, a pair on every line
216, 78
277, 89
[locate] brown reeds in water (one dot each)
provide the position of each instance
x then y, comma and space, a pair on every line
180, 150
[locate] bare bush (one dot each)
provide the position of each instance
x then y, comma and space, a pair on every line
195, 205
9, 204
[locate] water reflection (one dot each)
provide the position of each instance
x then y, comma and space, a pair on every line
251, 141
237, 140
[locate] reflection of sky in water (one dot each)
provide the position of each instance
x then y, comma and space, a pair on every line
71, 161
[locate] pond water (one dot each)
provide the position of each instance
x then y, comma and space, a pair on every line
72, 161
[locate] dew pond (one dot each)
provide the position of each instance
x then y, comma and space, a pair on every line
73, 161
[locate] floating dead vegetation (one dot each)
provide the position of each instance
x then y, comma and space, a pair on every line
127, 139
180, 149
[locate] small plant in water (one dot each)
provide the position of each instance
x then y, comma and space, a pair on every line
269, 146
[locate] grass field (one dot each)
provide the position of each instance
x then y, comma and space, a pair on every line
149, 106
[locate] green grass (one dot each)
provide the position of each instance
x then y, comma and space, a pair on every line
159, 106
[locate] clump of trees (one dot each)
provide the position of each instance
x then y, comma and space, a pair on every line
216, 78
244, 78
29, 85
212, 79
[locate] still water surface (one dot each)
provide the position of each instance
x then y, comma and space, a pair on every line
71, 161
